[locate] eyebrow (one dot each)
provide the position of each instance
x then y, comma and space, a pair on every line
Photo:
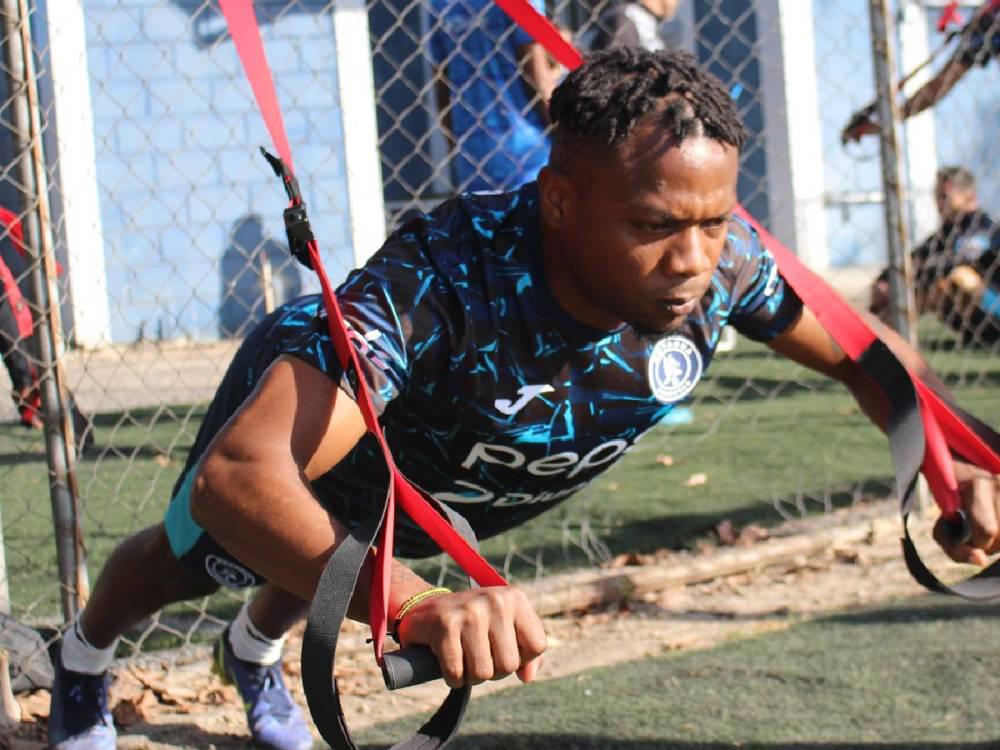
659, 216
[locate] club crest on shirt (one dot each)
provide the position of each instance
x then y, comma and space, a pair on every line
674, 369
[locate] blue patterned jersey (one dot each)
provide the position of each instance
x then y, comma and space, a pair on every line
493, 399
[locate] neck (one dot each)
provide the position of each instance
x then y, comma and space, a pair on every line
566, 287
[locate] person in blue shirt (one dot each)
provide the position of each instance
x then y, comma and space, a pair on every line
493, 83
516, 345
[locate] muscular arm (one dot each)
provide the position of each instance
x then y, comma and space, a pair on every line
807, 343
252, 493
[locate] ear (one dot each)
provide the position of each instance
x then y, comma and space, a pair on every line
557, 197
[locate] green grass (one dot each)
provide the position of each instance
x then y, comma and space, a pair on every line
773, 439
918, 674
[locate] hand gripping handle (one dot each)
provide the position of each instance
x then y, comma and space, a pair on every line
413, 665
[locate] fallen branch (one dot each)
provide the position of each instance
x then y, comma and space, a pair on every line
576, 591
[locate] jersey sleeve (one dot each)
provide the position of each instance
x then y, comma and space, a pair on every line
764, 306
395, 308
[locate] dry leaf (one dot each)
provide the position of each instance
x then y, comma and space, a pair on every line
630, 558
728, 534
696, 480
751, 535
131, 711
665, 460
34, 704
613, 486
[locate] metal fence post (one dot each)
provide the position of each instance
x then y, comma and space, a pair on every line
901, 301
26, 130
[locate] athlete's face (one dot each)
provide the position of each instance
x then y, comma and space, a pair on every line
637, 238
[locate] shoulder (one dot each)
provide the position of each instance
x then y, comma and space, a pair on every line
742, 241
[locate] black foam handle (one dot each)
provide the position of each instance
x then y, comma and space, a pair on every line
957, 528
413, 665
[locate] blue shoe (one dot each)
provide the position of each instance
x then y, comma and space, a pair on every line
275, 720
79, 718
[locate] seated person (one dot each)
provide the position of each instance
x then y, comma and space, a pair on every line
956, 273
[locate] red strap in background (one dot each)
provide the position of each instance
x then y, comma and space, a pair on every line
22, 313
245, 33
949, 15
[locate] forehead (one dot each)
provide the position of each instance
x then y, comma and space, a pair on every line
652, 161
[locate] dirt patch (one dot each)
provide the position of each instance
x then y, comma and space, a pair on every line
174, 702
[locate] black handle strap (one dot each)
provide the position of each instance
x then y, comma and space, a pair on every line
907, 441
406, 667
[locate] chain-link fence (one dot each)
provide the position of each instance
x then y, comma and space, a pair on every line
131, 169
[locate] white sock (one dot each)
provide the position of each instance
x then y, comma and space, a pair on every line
249, 644
79, 656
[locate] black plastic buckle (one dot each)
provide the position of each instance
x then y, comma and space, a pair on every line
297, 227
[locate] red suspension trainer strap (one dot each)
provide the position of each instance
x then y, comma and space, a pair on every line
339, 579
923, 429
918, 436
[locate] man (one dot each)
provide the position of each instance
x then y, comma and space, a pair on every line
956, 275
979, 42
493, 84
516, 343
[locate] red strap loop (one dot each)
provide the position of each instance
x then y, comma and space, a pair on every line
244, 30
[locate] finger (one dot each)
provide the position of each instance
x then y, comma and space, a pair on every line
531, 641
960, 553
529, 671
978, 499
449, 654
503, 645
478, 659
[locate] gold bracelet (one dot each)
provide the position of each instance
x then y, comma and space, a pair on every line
412, 602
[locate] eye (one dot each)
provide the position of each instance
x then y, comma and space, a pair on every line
656, 227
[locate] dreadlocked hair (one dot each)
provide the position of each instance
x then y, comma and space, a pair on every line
601, 102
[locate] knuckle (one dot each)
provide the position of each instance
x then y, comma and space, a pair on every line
480, 672
505, 664
534, 644
451, 621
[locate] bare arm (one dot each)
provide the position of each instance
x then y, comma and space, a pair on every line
539, 72
252, 492
442, 98
936, 88
807, 343
253, 495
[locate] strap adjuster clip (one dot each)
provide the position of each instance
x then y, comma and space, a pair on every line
297, 228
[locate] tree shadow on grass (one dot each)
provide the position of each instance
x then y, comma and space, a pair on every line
505, 741
184, 735
932, 608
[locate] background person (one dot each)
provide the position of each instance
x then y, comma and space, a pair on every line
633, 23
956, 275
493, 83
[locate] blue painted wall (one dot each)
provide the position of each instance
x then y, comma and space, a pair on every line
177, 134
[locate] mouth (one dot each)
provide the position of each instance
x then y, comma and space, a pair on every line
678, 306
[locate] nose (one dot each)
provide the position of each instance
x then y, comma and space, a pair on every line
686, 254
